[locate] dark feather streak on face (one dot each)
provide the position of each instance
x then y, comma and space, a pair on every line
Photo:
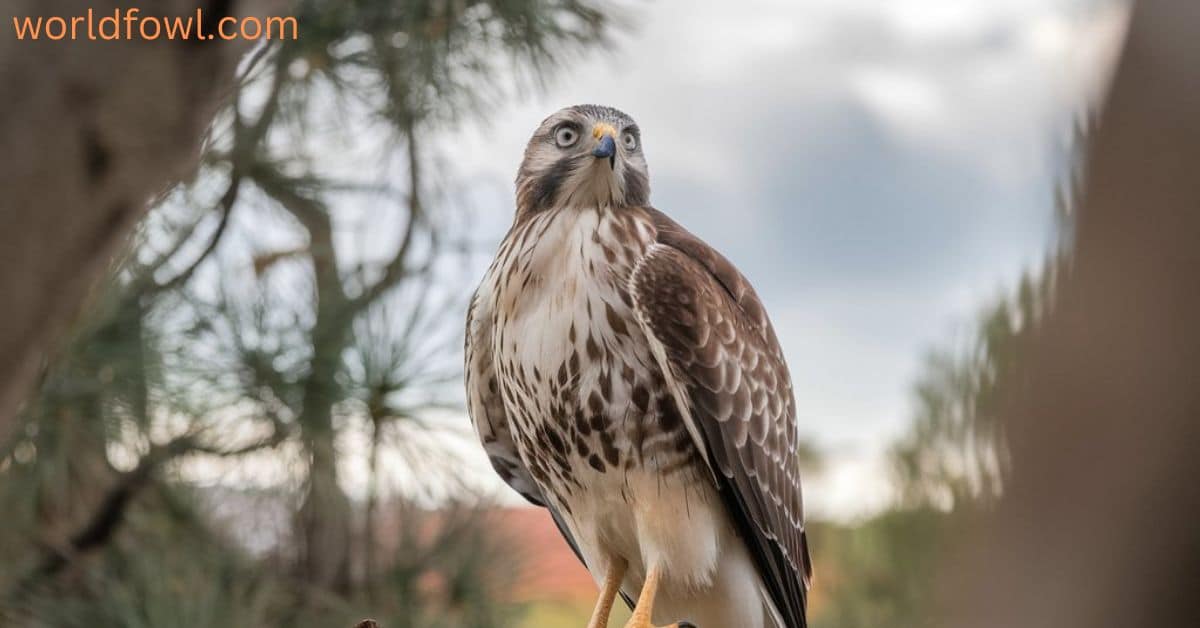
637, 188
546, 187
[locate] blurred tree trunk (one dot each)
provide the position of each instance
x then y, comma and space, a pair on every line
324, 524
90, 131
325, 513
1098, 526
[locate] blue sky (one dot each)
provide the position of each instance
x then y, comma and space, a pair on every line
879, 169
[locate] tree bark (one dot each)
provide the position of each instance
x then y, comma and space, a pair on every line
325, 524
1098, 526
325, 513
90, 131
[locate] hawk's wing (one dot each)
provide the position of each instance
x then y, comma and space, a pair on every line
722, 361
485, 406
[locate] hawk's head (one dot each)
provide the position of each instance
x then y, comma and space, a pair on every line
583, 156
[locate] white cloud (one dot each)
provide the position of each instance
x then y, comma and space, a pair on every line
909, 101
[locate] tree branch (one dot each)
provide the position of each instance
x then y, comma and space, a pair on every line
255, 133
398, 269
228, 200
104, 523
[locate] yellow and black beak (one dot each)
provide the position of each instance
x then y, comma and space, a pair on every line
606, 146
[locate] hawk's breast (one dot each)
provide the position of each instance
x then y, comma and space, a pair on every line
585, 398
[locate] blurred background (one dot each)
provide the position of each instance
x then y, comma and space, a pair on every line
258, 418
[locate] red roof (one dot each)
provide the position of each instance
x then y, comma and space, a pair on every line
550, 571
546, 568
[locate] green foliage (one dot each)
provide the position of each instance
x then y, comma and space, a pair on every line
954, 452
437, 60
881, 572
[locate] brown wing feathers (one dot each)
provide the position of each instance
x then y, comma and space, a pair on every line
722, 351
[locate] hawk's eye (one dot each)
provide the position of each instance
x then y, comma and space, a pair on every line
629, 140
565, 136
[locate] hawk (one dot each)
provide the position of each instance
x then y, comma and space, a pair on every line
624, 375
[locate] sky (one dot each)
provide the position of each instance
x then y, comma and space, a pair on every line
880, 170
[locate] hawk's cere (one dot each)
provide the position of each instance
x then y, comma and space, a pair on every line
623, 374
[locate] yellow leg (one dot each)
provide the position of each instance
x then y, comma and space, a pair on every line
644, 610
612, 586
